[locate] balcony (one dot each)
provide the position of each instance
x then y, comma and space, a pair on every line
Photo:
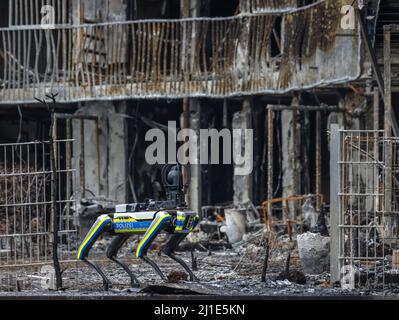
198, 57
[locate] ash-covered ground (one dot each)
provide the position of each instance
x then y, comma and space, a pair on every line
222, 271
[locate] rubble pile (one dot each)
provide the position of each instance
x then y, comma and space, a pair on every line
218, 274
314, 252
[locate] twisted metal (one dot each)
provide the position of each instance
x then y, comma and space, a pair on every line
194, 57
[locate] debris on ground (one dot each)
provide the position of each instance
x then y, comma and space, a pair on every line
297, 265
177, 276
178, 289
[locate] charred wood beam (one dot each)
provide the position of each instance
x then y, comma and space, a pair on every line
66, 116
266, 260
270, 140
277, 38
388, 121
382, 84
371, 52
390, 118
54, 204
82, 172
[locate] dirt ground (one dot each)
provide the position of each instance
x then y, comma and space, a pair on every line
225, 272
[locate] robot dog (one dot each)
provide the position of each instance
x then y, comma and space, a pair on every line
150, 218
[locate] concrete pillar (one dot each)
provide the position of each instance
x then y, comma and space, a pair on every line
105, 168
335, 157
191, 8
291, 162
242, 185
118, 154
195, 188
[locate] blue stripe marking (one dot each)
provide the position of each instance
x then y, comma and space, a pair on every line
152, 235
124, 225
179, 223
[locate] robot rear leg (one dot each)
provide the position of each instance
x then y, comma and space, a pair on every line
169, 249
112, 252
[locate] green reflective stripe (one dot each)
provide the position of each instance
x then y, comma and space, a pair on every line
150, 233
101, 221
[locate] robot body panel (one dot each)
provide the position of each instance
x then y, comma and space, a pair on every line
130, 225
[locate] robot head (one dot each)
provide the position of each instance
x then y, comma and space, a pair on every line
172, 180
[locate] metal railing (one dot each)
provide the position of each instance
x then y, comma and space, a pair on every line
256, 6
195, 57
30, 12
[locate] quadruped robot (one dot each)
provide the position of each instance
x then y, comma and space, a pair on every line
150, 218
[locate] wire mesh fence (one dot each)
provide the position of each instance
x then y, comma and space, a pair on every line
27, 209
368, 203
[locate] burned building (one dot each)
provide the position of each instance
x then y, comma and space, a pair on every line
316, 81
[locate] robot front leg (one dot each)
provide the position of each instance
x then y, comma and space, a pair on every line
102, 225
112, 252
161, 221
181, 232
169, 249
